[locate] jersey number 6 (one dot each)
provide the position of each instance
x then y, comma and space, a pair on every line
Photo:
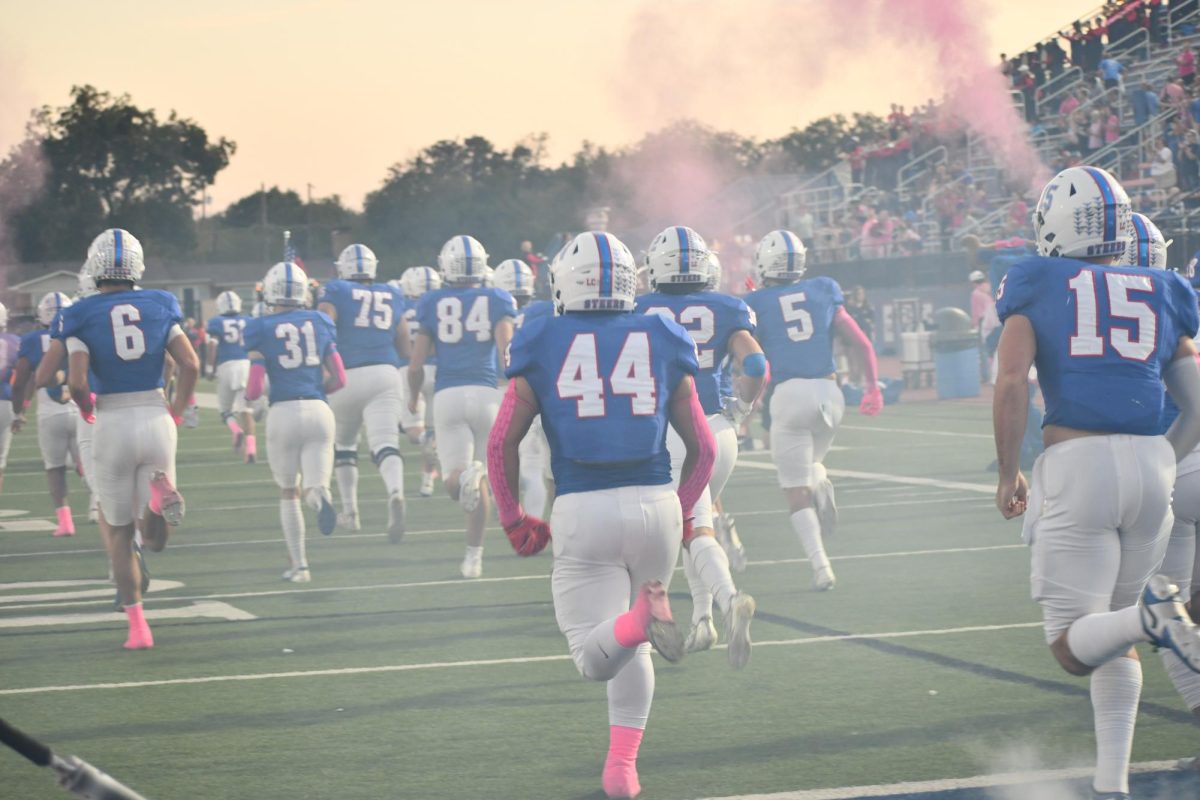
128, 339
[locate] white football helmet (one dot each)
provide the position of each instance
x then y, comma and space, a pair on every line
3, 317
49, 306
229, 303
515, 277
714, 272
678, 255
780, 255
463, 260
416, 281
116, 255
1148, 247
87, 284
357, 262
596, 272
1083, 213
285, 285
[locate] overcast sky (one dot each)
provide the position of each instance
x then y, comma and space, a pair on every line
332, 92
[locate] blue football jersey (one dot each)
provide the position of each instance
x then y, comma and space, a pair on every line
126, 335
535, 309
795, 327
710, 318
367, 317
603, 382
410, 319
10, 346
227, 331
33, 347
1104, 336
294, 345
460, 321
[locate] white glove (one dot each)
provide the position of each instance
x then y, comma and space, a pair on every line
736, 410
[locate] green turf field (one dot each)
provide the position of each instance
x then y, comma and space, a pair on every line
391, 677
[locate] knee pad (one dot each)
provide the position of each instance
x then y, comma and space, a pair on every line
345, 458
383, 453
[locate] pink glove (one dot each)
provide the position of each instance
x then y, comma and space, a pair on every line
528, 535
872, 402
87, 409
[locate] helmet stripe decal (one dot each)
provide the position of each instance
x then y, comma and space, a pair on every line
358, 257
791, 250
685, 254
516, 275
606, 276
467, 253
1110, 203
1142, 235
287, 276
428, 279
118, 250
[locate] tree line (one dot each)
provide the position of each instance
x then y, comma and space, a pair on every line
101, 161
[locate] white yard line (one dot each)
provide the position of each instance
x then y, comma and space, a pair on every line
441, 665
918, 431
459, 582
947, 784
888, 478
210, 609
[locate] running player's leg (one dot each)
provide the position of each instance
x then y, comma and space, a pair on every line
157, 494
723, 522
381, 418
84, 434
482, 406
429, 459
284, 441
226, 393
56, 433
316, 458
1094, 547
6, 418
533, 478
1179, 565
347, 408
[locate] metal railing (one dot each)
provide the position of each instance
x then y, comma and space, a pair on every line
916, 168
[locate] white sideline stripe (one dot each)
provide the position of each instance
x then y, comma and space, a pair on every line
209, 609
886, 478
519, 578
916, 430
8, 602
946, 784
318, 673
889, 504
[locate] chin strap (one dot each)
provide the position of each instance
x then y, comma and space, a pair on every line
694, 484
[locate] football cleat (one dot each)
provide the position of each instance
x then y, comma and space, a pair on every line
348, 521
326, 517
427, 481
472, 565
661, 631
191, 417
166, 498
737, 629
727, 537
1166, 621
94, 508
396, 513
826, 507
824, 579
470, 491
702, 636
298, 575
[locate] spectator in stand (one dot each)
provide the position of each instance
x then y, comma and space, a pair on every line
1145, 104
1067, 107
1018, 210
1078, 132
1094, 45
1028, 88
1110, 72
908, 240
1112, 125
1157, 22
1189, 162
535, 260
1186, 61
877, 235
1173, 94
1194, 104
1162, 168
1055, 58
1095, 131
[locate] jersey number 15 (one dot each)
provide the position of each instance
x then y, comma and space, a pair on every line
1087, 341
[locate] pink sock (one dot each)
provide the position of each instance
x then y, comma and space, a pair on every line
251, 446
620, 767
630, 627
233, 426
140, 637
66, 526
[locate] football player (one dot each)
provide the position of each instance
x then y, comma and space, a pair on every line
56, 412
296, 347
468, 324
118, 337
516, 278
1104, 339
9, 345
797, 320
607, 384
418, 423
370, 332
680, 269
228, 363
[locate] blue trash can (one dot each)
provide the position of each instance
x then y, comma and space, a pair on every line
957, 372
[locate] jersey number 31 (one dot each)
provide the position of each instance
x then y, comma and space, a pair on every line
1087, 341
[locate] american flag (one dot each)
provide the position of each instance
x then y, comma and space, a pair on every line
289, 251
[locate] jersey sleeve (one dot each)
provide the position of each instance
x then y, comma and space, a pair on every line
28, 347
426, 312
833, 292
502, 306
171, 303
743, 318
251, 335
521, 355
329, 340
213, 327
1181, 299
679, 342
1016, 292
331, 293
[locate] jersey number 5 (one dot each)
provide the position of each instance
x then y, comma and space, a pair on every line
579, 379
128, 339
1087, 341
789, 306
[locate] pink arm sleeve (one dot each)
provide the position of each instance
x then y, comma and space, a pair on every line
508, 507
692, 486
337, 379
849, 328
258, 378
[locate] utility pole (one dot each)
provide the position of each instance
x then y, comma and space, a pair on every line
308, 221
262, 206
